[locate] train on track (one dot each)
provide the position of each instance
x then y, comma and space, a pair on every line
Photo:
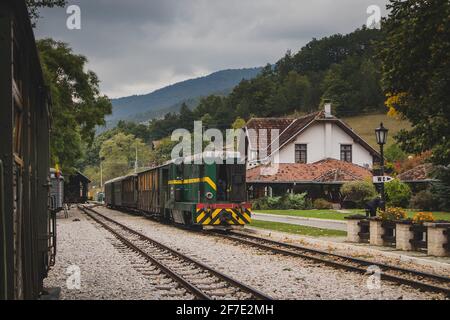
205, 196
27, 223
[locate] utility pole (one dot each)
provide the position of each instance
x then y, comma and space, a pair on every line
101, 172
101, 176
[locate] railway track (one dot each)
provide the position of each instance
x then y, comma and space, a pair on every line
416, 279
197, 279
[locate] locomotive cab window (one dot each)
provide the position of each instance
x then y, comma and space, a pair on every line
231, 182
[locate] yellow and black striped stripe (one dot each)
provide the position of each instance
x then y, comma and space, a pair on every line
207, 180
230, 216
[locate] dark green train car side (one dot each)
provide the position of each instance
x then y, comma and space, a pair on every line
122, 192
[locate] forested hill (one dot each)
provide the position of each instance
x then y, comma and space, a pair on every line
170, 98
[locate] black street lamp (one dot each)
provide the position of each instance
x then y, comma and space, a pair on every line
382, 134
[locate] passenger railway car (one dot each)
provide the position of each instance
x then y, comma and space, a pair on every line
27, 236
129, 191
194, 195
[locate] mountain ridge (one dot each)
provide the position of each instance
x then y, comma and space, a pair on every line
169, 98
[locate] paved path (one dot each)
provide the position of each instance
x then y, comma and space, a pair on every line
301, 221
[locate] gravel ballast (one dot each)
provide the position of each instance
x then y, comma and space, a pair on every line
107, 271
278, 276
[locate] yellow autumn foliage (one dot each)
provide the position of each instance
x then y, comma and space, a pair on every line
393, 101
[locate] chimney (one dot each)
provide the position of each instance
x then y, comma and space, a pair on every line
328, 113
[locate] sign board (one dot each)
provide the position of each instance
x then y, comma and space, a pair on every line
381, 179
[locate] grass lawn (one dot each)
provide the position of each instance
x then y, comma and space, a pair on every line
365, 127
334, 215
318, 214
301, 230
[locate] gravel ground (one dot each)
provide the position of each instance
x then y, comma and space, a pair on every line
106, 271
278, 276
391, 256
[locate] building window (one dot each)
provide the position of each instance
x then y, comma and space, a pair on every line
346, 153
301, 153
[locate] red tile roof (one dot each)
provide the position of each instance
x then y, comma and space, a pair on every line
417, 174
325, 171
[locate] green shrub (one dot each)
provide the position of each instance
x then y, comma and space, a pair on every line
289, 201
358, 192
267, 203
424, 200
294, 201
398, 194
322, 204
260, 204
273, 202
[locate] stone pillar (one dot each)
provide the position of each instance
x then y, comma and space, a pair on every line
352, 230
437, 239
404, 235
376, 233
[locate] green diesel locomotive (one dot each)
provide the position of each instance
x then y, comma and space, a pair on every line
208, 195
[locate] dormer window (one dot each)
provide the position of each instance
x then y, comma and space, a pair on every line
346, 153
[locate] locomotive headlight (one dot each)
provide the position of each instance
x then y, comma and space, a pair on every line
209, 195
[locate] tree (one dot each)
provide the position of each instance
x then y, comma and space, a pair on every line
140, 131
35, 5
398, 194
394, 153
77, 105
119, 154
239, 123
163, 151
415, 55
187, 117
359, 192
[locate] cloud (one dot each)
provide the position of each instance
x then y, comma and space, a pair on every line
138, 46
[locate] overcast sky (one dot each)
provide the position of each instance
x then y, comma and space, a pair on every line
137, 46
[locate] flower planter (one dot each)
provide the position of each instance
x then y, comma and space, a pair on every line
419, 240
390, 233
404, 235
358, 229
382, 232
438, 238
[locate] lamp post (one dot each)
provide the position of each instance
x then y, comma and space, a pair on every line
381, 134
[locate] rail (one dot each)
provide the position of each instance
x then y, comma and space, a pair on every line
178, 278
413, 278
